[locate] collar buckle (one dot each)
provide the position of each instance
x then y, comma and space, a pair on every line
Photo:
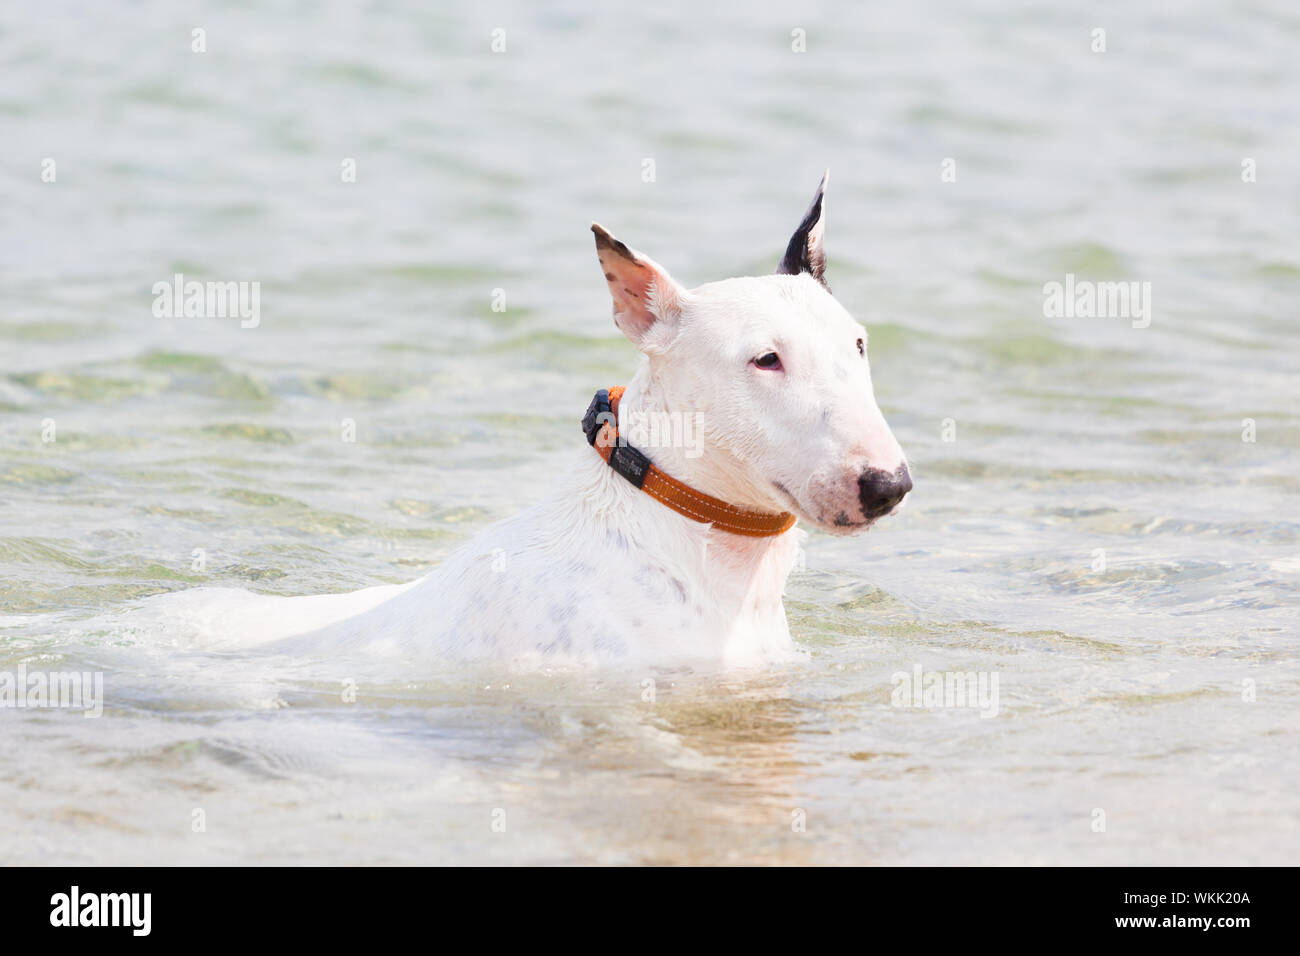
598, 413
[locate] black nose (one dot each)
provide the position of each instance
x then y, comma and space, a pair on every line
881, 491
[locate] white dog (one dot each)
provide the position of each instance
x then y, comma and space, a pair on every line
673, 552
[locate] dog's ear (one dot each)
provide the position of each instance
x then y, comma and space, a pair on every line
805, 253
646, 299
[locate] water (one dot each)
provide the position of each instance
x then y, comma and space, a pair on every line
1122, 671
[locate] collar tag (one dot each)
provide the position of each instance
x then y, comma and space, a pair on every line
629, 462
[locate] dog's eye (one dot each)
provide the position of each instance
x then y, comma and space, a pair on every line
862, 348
769, 361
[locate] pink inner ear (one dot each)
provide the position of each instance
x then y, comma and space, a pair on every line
642, 291
631, 286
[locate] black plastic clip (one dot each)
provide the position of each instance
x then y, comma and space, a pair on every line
598, 413
629, 462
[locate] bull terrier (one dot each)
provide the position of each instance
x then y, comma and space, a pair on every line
676, 552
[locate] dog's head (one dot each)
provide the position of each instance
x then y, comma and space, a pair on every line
777, 371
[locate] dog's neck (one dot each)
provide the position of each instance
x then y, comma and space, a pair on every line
695, 453
733, 567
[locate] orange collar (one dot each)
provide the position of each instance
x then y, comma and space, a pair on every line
601, 426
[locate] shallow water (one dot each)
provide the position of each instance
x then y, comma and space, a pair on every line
1121, 671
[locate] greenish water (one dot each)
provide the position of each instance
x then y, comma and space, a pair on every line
1088, 523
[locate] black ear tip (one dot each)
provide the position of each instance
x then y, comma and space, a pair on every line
804, 252
605, 240
821, 193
